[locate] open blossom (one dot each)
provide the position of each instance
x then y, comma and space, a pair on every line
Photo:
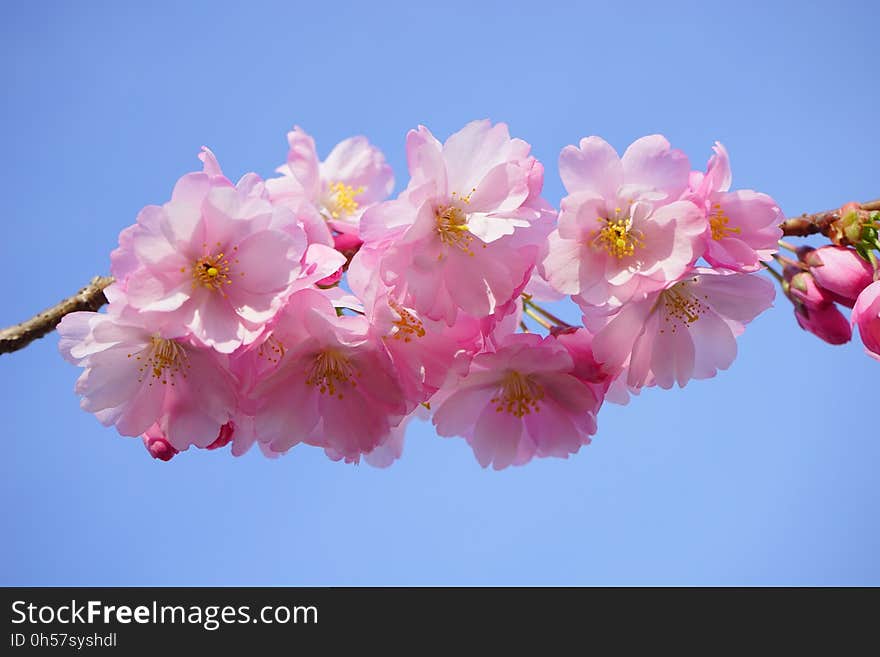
520, 402
743, 225
215, 262
334, 385
685, 331
447, 244
623, 232
135, 379
866, 315
354, 176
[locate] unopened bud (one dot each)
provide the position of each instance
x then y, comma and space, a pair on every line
825, 322
159, 447
802, 287
841, 271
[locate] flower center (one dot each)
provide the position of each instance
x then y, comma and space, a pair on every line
617, 236
452, 228
519, 395
272, 350
162, 360
214, 271
719, 223
681, 305
330, 369
341, 201
452, 224
408, 325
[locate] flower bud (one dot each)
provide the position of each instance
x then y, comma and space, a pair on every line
803, 288
866, 315
347, 244
841, 271
159, 447
825, 322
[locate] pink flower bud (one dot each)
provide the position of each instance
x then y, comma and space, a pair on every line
841, 271
866, 315
347, 243
802, 287
159, 448
825, 322
224, 437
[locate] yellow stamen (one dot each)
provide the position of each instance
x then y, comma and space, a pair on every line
329, 371
272, 350
681, 306
719, 224
162, 360
453, 229
408, 325
519, 395
215, 270
617, 236
342, 201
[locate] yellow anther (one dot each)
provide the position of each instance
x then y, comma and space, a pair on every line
162, 361
342, 201
330, 370
719, 223
617, 236
681, 306
212, 271
453, 229
519, 395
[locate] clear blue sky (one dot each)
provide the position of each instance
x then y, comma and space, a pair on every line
764, 475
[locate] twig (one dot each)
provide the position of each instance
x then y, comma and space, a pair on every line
819, 222
91, 297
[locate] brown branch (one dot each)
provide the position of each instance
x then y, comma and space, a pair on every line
819, 222
91, 297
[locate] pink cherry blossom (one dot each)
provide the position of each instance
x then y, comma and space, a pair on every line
334, 385
743, 225
135, 379
216, 262
354, 176
866, 315
685, 331
520, 402
449, 242
623, 232
841, 271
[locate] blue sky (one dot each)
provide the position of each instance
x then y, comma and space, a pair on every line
764, 475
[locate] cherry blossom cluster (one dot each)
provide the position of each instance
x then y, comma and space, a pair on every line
312, 308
